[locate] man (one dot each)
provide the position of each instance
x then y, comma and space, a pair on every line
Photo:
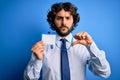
80, 50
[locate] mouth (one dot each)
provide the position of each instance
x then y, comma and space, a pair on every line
64, 29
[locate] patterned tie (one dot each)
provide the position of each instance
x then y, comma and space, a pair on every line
65, 71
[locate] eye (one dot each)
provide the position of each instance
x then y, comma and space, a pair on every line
67, 18
59, 18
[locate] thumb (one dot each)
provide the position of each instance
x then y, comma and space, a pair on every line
75, 42
83, 42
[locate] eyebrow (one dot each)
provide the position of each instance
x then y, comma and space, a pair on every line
62, 16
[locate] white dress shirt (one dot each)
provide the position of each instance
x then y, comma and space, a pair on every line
78, 55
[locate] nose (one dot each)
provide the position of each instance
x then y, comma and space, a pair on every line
63, 22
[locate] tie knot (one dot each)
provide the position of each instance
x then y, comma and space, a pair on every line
63, 41
63, 45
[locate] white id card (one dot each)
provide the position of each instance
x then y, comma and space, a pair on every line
49, 38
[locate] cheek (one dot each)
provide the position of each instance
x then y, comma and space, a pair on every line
70, 23
58, 24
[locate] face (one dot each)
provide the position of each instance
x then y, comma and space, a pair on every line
63, 22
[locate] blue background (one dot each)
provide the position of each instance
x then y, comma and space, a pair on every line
23, 21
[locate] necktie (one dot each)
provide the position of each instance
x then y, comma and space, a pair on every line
65, 71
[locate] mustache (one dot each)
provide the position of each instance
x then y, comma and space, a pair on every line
63, 26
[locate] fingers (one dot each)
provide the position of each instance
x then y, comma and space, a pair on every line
81, 35
38, 45
82, 38
38, 49
83, 42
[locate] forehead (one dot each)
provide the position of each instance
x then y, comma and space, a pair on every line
63, 13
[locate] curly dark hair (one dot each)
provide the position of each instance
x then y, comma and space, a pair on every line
67, 6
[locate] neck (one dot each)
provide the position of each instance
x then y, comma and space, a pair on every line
63, 36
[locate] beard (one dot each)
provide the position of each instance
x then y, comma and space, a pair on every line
63, 34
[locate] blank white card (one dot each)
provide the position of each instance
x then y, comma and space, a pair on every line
49, 38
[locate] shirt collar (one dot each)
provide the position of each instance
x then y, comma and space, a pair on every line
68, 37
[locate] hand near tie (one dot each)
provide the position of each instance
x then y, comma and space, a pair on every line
82, 38
38, 50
